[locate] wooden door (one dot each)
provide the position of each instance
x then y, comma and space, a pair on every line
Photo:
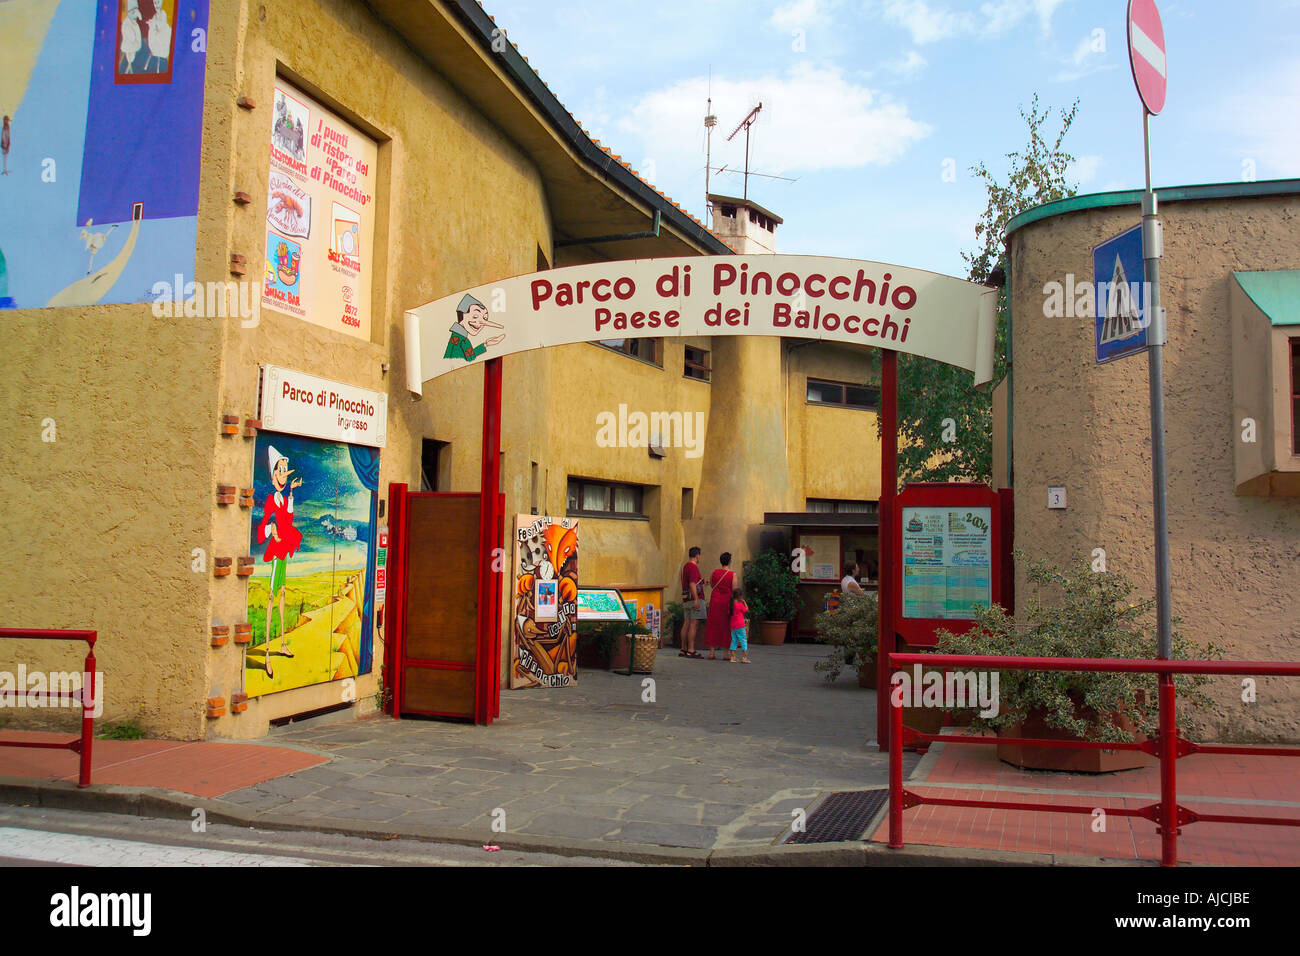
440, 649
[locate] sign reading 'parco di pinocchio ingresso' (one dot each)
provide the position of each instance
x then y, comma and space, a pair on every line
842, 300
300, 404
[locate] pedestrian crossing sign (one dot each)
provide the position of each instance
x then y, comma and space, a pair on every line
1121, 296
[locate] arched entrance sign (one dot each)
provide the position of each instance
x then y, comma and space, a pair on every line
812, 297
890, 307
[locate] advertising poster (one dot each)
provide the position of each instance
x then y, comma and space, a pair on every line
543, 650
947, 562
311, 599
319, 216
821, 557
102, 111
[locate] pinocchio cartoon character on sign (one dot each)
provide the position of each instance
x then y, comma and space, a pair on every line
471, 317
277, 525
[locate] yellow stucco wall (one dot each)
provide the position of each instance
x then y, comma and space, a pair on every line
109, 513
1234, 559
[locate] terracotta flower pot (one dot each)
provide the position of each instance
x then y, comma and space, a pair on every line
772, 633
1068, 759
867, 672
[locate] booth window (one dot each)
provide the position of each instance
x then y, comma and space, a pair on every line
839, 506
604, 499
647, 350
697, 364
843, 395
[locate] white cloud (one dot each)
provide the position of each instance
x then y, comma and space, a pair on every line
802, 14
1084, 169
929, 24
1261, 123
813, 119
1089, 56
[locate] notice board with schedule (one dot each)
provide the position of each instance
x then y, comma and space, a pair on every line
947, 562
947, 548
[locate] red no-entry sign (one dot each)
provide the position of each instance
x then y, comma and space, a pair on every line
1146, 53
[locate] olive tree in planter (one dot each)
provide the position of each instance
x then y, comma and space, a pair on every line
671, 626
772, 593
851, 632
1094, 616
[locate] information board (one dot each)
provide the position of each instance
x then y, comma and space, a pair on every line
947, 562
601, 604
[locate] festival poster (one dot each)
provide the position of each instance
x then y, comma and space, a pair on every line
947, 562
319, 215
543, 653
311, 597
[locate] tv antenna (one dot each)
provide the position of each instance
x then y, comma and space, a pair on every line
710, 121
745, 124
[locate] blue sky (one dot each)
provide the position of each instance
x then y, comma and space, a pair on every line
884, 93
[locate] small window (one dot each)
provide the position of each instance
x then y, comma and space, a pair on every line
603, 498
843, 394
1295, 396
688, 503
728, 211
697, 364
647, 350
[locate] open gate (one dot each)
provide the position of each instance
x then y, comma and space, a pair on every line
441, 660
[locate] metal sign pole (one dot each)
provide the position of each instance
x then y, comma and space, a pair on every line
1152, 251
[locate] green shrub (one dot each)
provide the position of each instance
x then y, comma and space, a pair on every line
851, 631
605, 637
771, 589
1094, 617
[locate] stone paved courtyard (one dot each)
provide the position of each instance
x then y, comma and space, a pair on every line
719, 759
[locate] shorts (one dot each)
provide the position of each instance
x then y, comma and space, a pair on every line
278, 574
739, 640
696, 611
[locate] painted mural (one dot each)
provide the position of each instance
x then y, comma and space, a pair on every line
102, 111
543, 635
310, 600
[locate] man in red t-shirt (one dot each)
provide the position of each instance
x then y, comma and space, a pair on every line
693, 601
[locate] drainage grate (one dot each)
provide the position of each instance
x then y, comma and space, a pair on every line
841, 817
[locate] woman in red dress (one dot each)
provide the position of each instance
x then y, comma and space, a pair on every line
717, 632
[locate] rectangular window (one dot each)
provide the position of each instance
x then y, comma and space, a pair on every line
697, 364
840, 506
647, 350
1295, 396
843, 395
604, 498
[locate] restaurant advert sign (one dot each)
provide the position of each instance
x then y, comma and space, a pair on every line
300, 404
814, 297
319, 215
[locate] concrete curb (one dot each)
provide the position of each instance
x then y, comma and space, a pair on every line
172, 805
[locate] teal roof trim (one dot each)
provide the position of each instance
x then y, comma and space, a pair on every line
1276, 293
1133, 197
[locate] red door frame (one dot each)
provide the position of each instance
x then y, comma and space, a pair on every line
492, 557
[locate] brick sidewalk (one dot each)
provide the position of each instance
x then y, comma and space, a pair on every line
1209, 783
208, 769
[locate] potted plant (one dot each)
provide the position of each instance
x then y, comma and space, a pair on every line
772, 592
604, 645
850, 630
1093, 616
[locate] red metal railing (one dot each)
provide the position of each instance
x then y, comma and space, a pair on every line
88, 695
1168, 746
